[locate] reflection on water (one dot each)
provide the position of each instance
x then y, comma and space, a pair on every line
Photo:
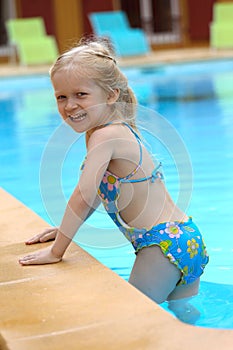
213, 304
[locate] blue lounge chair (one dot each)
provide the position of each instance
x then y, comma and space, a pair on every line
127, 41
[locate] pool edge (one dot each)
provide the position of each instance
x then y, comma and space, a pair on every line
153, 58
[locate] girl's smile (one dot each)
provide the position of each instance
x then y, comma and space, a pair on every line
78, 117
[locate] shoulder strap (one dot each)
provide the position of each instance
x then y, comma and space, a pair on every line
156, 174
124, 179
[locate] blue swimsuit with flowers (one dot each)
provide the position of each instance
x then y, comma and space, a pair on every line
180, 242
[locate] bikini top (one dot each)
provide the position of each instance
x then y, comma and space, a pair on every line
109, 191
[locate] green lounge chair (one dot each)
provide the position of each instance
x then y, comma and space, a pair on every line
221, 29
127, 41
33, 45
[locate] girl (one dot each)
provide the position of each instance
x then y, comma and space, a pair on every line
93, 96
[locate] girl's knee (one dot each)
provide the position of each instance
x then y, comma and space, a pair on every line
185, 291
184, 310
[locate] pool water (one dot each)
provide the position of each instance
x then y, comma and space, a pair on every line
40, 159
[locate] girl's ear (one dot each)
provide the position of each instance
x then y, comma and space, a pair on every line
113, 96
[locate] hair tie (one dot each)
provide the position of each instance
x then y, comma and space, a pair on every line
104, 56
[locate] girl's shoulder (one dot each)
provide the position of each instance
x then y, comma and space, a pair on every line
105, 133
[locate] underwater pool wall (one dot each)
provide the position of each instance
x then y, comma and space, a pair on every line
79, 303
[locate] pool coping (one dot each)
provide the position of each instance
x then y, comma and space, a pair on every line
79, 302
156, 57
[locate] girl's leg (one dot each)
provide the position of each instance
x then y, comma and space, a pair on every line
179, 302
153, 274
184, 310
184, 291
156, 277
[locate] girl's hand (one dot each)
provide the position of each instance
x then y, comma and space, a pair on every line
45, 236
40, 257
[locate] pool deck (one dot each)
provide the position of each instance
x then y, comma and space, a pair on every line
79, 303
155, 57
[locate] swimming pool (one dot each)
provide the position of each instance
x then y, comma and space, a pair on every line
196, 100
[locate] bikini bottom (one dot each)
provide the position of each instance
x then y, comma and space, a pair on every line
181, 243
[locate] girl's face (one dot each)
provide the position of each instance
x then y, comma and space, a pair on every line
81, 103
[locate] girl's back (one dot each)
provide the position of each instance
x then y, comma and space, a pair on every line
145, 202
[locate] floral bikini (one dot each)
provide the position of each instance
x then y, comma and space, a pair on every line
180, 242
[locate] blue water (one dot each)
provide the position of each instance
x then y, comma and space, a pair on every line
40, 161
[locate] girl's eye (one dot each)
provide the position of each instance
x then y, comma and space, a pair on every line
61, 97
81, 94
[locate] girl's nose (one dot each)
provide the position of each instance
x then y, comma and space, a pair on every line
71, 104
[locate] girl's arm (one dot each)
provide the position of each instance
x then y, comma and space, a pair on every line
77, 211
50, 233
81, 202
71, 222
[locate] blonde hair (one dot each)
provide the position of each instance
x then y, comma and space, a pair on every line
94, 58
